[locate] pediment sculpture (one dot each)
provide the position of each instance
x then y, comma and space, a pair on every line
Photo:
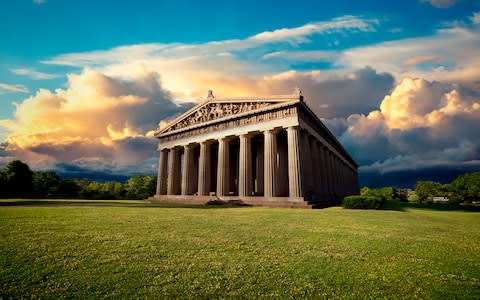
214, 111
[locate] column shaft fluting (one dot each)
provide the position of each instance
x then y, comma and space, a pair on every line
204, 169
332, 175
306, 158
223, 168
172, 171
186, 172
294, 165
245, 167
270, 158
328, 169
317, 179
162, 173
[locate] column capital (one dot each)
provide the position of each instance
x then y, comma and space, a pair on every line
294, 128
273, 130
225, 139
246, 135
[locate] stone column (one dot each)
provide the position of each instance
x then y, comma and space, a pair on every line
162, 173
294, 165
223, 167
245, 166
333, 175
336, 169
328, 171
172, 171
307, 165
317, 179
324, 172
270, 160
204, 169
187, 166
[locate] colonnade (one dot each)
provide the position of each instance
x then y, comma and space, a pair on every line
274, 163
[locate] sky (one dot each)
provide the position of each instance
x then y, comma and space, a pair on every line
84, 84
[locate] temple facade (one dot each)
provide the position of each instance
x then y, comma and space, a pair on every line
263, 151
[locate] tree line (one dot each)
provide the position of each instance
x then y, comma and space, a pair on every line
18, 181
464, 189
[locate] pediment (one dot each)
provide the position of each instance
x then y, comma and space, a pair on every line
212, 110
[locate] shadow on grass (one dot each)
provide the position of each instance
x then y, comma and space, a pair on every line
109, 203
404, 206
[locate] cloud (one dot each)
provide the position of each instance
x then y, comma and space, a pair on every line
475, 18
421, 59
97, 118
13, 88
299, 34
313, 55
37, 75
174, 51
442, 3
420, 124
448, 55
335, 94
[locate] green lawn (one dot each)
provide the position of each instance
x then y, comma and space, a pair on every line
132, 249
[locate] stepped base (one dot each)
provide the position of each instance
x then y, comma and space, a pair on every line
286, 202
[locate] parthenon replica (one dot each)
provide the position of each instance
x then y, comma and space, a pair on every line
262, 151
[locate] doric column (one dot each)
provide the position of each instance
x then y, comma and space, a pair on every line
204, 169
344, 184
245, 166
294, 165
307, 165
162, 173
172, 171
270, 158
324, 172
333, 175
223, 167
317, 179
336, 175
328, 171
187, 166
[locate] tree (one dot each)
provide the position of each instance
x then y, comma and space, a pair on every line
18, 179
113, 190
412, 196
140, 187
426, 190
69, 189
466, 187
46, 184
385, 193
400, 194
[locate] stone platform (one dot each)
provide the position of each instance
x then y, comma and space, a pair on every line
284, 202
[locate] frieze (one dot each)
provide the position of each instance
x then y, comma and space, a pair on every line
214, 111
246, 120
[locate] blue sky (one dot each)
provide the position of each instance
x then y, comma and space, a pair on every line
83, 83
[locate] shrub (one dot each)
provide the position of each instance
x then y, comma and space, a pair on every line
363, 202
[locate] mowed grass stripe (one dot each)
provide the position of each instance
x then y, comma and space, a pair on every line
149, 251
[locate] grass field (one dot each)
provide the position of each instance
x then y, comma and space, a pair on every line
133, 249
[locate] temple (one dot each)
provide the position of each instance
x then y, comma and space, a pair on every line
262, 151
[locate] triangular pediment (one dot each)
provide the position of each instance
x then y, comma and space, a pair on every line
213, 109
